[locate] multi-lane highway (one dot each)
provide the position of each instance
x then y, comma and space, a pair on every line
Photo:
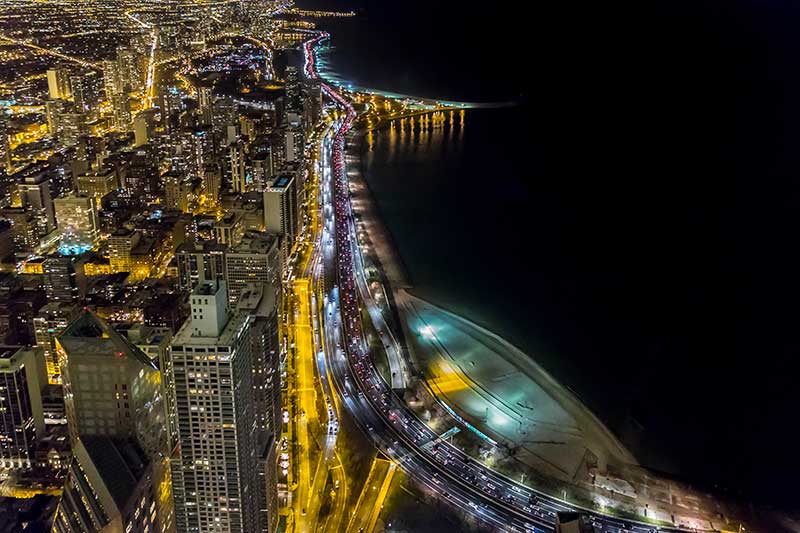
493, 499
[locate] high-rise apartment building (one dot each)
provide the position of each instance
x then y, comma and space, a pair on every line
22, 377
35, 194
280, 208
121, 106
143, 172
120, 245
131, 73
98, 183
58, 83
63, 278
71, 125
176, 191
203, 148
263, 167
170, 104
199, 263
225, 112
86, 86
215, 467
51, 320
258, 300
111, 82
205, 97
238, 171
212, 180
53, 110
294, 144
293, 89
256, 259
143, 127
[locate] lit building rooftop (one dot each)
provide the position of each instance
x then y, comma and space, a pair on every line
89, 335
256, 242
281, 182
120, 463
256, 299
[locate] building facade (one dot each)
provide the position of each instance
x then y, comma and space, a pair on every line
113, 390
76, 217
21, 417
215, 467
51, 320
280, 208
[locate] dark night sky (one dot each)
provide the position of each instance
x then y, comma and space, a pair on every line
668, 134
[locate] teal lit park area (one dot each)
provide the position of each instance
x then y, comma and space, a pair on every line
531, 428
505, 393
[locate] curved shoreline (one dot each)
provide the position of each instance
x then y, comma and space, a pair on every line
397, 279
399, 288
528, 365
393, 267
402, 276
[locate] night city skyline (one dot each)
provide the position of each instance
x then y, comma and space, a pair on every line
285, 266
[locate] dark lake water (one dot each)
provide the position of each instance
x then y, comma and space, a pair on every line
632, 223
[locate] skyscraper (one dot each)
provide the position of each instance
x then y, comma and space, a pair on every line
5, 149
22, 377
176, 191
237, 167
71, 125
110, 486
120, 245
86, 86
142, 178
256, 259
294, 144
294, 99
280, 208
170, 103
263, 167
131, 73
204, 150
199, 263
51, 320
212, 177
215, 468
225, 112
121, 105
58, 84
258, 300
206, 102
35, 194
113, 390
111, 82
53, 109
77, 218
63, 276
143, 127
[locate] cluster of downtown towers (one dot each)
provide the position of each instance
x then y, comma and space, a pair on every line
148, 330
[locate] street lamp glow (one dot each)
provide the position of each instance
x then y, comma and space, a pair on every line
427, 332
